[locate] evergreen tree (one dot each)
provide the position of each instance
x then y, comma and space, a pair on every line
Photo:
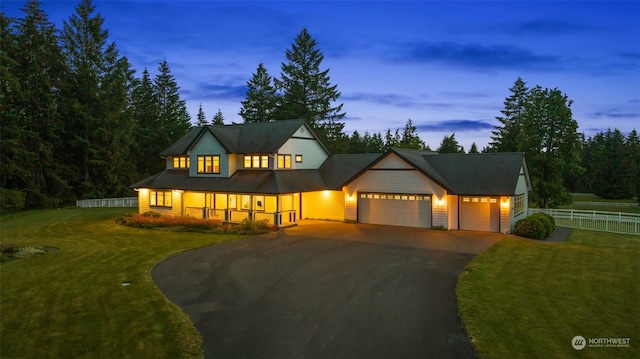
449, 144
376, 145
633, 150
173, 118
218, 119
145, 117
202, 119
473, 148
390, 140
261, 100
307, 92
611, 165
14, 177
410, 137
356, 143
505, 137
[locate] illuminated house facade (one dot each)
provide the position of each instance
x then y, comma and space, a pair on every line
281, 172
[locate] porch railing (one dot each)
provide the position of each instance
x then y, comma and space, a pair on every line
108, 202
237, 216
614, 222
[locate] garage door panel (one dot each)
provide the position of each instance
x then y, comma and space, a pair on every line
397, 210
480, 214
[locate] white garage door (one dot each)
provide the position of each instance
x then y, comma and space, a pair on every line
409, 210
479, 214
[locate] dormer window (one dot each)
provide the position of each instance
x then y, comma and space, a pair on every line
209, 164
181, 162
256, 161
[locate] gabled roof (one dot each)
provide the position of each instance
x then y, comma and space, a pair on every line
489, 174
259, 137
339, 169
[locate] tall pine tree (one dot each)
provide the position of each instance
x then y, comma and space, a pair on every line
262, 100
308, 93
173, 119
202, 118
145, 117
505, 136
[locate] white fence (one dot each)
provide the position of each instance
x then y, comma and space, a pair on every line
614, 222
108, 202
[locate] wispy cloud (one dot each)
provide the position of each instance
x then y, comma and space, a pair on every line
455, 126
615, 114
545, 27
221, 92
476, 56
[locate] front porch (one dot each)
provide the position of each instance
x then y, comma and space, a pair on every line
278, 210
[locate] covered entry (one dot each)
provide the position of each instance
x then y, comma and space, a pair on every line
409, 210
480, 213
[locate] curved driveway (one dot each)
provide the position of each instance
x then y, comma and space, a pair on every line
327, 290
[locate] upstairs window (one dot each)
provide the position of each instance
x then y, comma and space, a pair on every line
284, 161
181, 162
298, 158
256, 161
209, 164
160, 198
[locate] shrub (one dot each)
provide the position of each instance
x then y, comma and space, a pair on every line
546, 220
253, 227
530, 228
7, 248
11, 200
151, 220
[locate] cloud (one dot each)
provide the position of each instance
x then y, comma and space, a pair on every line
220, 92
465, 94
615, 114
546, 27
402, 101
455, 126
476, 56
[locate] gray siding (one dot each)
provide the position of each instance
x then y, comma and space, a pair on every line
208, 145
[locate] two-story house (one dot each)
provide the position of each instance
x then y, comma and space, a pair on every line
280, 171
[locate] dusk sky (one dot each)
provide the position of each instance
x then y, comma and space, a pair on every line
447, 66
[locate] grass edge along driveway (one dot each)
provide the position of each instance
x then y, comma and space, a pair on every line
528, 299
72, 304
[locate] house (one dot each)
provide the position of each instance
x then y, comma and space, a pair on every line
281, 172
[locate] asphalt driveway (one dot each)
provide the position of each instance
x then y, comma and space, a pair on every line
327, 290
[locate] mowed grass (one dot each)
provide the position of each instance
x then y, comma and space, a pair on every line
528, 299
72, 304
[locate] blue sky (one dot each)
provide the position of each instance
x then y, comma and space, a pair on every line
446, 65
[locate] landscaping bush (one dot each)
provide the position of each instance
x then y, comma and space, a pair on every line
546, 220
152, 220
530, 228
253, 227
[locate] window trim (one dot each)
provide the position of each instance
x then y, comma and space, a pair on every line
153, 199
518, 204
286, 161
182, 162
203, 169
256, 161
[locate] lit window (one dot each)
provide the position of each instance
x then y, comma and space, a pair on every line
376, 196
465, 199
474, 200
160, 198
483, 200
298, 158
284, 161
256, 161
493, 200
181, 162
412, 198
209, 164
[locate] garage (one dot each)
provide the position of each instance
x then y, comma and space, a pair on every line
409, 210
480, 213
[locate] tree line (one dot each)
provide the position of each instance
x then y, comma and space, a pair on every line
77, 122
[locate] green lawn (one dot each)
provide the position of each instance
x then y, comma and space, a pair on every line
528, 299
72, 304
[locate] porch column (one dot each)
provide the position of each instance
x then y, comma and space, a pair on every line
277, 216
